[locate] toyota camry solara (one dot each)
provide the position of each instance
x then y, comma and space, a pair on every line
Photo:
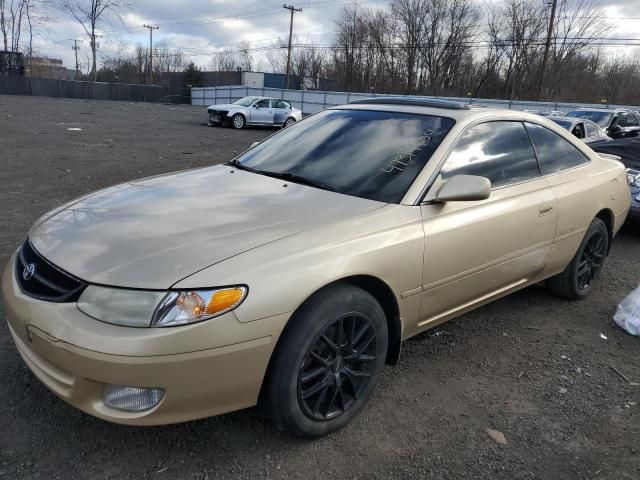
290, 276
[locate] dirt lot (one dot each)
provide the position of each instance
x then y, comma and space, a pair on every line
532, 366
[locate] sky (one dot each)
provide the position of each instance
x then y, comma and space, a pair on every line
201, 27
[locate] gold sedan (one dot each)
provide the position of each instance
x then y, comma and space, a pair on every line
291, 275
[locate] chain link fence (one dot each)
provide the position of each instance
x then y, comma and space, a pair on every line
46, 87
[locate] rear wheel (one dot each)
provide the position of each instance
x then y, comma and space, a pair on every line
290, 121
238, 121
328, 361
578, 278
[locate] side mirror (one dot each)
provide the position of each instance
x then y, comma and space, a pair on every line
254, 144
464, 188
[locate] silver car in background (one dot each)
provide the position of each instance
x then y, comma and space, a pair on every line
589, 132
262, 111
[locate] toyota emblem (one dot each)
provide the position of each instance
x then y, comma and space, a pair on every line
29, 271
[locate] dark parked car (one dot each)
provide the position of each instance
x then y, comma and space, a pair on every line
619, 123
586, 130
628, 150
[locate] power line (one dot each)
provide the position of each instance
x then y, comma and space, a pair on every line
243, 15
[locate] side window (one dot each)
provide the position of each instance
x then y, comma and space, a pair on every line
632, 120
554, 152
577, 130
620, 120
266, 103
592, 129
283, 104
500, 151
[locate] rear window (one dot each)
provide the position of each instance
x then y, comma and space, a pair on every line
368, 154
566, 124
600, 118
554, 152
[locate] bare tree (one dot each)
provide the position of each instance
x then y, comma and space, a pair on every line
277, 55
578, 22
349, 43
411, 33
12, 14
447, 32
226, 60
90, 14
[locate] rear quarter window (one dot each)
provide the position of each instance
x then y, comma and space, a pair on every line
555, 154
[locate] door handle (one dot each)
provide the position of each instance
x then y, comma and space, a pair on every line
546, 209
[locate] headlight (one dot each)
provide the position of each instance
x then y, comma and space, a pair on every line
140, 308
180, 308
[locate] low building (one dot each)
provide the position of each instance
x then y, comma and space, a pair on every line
48, 68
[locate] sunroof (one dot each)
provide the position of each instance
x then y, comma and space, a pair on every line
420, 102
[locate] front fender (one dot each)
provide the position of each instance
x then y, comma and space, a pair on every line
386, 243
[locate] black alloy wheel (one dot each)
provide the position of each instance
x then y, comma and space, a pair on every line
592, 259
577, 279
327, 361
337, 367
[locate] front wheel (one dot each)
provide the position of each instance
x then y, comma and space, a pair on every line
328, 361
290, 121
238, 121
577, 279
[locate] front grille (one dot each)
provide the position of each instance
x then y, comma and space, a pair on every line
41, 279
217, 115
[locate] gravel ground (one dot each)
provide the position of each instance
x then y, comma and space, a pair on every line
532, 366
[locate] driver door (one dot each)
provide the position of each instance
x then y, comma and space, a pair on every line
262, 112
477, 250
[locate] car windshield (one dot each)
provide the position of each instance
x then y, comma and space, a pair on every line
245, 101
368, 154
566, 124
601, 118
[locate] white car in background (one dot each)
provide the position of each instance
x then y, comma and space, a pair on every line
259, 111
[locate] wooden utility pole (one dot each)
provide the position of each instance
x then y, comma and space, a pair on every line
547, 46
150, 66
293, 10
76, 48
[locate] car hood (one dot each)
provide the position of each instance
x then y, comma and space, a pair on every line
154, 232
227, 106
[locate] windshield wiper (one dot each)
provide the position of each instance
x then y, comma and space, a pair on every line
295, 178
288, 176
240, 166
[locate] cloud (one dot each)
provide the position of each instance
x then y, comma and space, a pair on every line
202, 27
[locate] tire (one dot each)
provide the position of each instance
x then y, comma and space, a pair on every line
577, 279
319, 381
290, 121
238, 121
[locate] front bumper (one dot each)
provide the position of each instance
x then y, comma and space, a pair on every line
218, 117
206, 369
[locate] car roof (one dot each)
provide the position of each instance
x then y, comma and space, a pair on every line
458, 114
571, 120
596, 109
